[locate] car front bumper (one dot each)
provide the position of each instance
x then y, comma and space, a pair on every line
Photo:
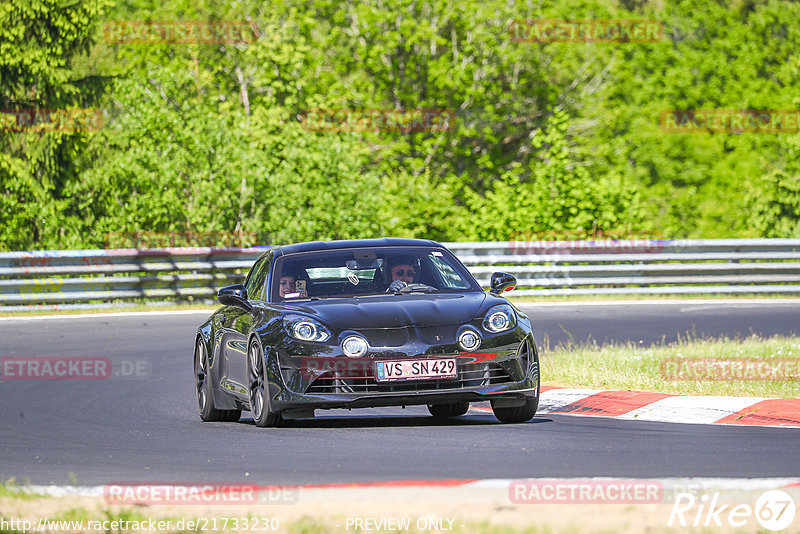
501, 372
510, 394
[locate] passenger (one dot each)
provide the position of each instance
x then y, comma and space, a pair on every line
287, 285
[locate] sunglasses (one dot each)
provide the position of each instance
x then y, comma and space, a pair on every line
404, 272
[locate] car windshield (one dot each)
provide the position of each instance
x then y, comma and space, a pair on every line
368, 271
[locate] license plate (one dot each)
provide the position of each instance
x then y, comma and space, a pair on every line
415, 369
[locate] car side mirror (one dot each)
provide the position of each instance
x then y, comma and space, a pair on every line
502, 282
235, 295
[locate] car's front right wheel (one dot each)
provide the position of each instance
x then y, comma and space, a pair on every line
258, 391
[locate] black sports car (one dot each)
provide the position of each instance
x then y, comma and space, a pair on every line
364, 323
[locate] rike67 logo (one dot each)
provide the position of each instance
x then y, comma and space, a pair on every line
774, 510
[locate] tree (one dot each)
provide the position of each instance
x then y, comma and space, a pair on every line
39, 42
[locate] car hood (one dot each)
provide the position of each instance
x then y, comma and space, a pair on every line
395, 311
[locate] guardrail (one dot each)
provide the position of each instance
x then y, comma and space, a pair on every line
646, 266
96, 278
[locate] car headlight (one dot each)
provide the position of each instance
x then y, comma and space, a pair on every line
305, 328
355, 346
499, 319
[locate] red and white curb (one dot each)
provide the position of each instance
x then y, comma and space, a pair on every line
663, 407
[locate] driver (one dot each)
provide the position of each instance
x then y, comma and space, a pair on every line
403, 270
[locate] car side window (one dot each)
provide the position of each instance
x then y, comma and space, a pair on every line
255, 280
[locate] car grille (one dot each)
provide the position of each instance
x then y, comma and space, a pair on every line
469, 375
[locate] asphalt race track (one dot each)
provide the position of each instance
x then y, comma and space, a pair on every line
141, 423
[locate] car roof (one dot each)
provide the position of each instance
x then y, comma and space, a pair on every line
312, 246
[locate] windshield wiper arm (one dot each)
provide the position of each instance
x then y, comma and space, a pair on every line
411, 288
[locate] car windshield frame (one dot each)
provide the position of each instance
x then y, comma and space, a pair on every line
370, 257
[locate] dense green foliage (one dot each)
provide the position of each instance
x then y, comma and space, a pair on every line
544, 139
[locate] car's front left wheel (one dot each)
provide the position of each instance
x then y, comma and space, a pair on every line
517, 414
205, 396
520, 414
442, 411
258, 392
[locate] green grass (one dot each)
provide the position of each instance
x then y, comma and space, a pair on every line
12, 488
638, 368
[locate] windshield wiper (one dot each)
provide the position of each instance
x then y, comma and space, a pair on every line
415, 288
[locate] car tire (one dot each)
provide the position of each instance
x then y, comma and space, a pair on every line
205, 395
517, 414
441, 411
257, 388
526, 412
